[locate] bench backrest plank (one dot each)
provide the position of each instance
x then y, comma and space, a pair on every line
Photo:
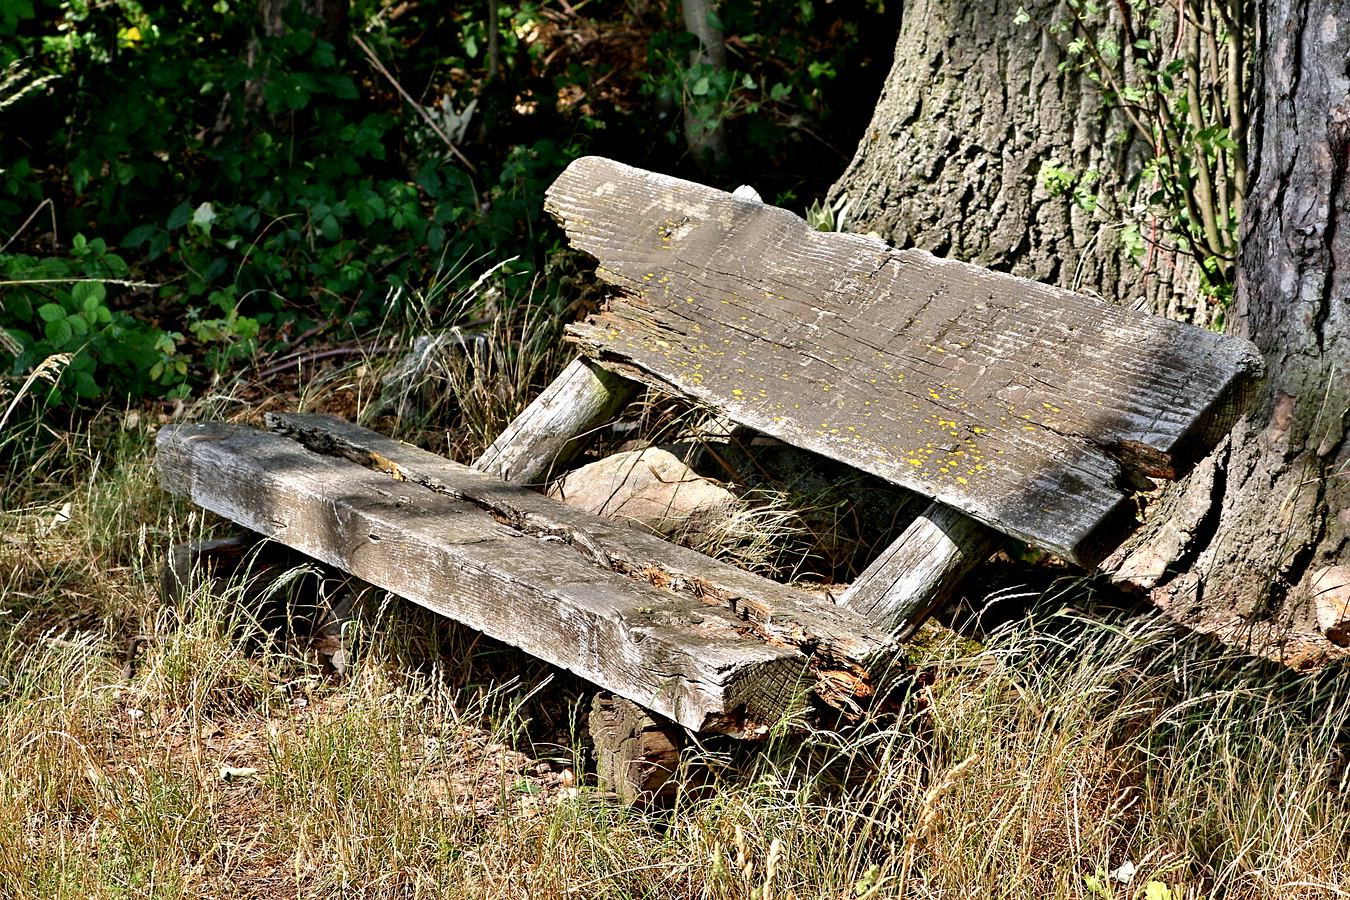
1028, 407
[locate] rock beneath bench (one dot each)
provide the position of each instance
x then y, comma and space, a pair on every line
649, 489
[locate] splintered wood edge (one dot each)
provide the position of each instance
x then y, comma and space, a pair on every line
713, 676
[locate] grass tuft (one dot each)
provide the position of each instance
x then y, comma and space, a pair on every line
215, 760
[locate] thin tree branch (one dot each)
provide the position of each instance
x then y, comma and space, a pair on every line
421, 110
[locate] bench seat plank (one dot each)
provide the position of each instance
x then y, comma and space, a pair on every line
520, 575
1032, 409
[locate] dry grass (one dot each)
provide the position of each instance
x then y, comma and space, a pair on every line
226, 765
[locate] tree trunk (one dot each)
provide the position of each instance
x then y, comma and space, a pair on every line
1238, 547
974, 107
707, 139
973, 111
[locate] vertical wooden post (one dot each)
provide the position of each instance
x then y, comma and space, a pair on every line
917, 573
549, 431
636, 753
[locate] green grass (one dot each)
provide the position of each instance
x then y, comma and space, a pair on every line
444, 765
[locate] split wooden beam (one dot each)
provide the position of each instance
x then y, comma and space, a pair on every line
701, 643
1029, 408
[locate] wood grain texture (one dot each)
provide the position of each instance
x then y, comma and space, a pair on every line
917, 573
1030, 408
694, 662
841, 642
549, 431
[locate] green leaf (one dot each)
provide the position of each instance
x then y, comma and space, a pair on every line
51, 312
181, 215
85, 386
1132, 241
139, 235
12, 11
59, 333
117, 266
1096, 884
700, 87
85, 291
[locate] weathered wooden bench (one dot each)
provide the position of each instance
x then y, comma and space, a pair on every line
1013, 406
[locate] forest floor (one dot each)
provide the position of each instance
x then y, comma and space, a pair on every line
1075, 751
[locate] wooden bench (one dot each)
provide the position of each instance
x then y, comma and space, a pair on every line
1013, 406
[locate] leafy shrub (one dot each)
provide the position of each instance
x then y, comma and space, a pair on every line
240, 184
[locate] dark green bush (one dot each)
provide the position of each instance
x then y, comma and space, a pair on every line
240, 184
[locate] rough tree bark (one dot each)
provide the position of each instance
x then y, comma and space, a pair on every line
1241, 543
972, 108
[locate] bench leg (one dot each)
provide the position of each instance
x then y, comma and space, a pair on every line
636, 754
548, 432
917, 573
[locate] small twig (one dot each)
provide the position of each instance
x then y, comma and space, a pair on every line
421, 110
273, 358
134, 643
117, 281
47, 202
301, 359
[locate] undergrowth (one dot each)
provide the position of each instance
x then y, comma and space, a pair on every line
1069, 749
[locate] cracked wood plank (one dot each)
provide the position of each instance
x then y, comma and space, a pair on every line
688, 659
1030, 408
841, 644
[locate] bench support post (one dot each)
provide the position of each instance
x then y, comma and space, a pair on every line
917, 573
548, 432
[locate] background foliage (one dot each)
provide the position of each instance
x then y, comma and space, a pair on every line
183, 183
